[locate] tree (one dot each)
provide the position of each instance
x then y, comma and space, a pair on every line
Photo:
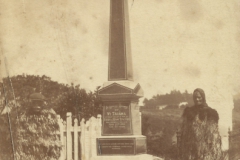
61, 97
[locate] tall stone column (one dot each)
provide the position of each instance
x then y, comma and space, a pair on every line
120, 63
121, 128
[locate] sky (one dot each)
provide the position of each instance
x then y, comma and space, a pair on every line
176, 44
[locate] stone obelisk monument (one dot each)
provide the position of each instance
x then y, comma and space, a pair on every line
121, 136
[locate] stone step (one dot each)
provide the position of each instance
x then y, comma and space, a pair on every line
125, 157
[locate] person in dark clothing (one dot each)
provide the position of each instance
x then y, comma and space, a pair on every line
199, 135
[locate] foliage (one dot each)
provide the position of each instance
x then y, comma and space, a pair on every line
160, 127
6, 152
235, 133
236, 112
79, 102
61, 97
31, 134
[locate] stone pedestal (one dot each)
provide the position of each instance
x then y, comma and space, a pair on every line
121, 130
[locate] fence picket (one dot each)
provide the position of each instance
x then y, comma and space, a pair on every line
64, 140
60, 123
140, 117
69, 136
90, 135
75, 139
82, 139
92, 130
99, 125
87, 141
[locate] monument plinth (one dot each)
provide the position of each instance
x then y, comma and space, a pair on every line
121, 114
121, 127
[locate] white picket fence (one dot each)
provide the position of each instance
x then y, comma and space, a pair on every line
85, 134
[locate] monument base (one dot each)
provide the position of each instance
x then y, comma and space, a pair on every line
121, 145
124, 157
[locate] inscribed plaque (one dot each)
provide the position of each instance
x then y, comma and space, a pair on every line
116, 146
117, 120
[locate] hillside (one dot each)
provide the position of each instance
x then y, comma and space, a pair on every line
160, 126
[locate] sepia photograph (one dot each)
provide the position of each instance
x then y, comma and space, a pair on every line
120, 80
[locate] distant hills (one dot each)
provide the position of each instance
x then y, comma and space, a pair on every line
174, 99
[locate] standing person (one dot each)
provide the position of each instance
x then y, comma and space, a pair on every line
200, 138
37, 130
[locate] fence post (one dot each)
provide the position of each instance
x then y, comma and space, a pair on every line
140, 116
92, 134
64, 140
75, 139
87, 142
99, 125
69, 136
82, 142
60, 123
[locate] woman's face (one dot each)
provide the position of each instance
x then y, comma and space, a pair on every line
198, 100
